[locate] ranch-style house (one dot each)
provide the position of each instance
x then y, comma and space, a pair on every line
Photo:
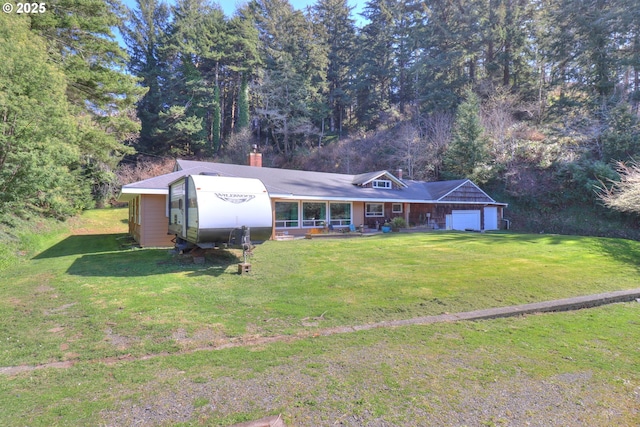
303, 201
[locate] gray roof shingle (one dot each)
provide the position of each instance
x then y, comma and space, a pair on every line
296, 184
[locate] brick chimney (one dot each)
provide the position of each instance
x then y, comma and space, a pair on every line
255, 158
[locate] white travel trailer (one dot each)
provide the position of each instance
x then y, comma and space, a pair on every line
209, 211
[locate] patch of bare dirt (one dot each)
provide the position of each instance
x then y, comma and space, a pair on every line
209, 336
43, 289
59, 310
346, 389
121, 342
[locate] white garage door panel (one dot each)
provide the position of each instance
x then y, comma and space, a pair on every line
491, 218
465, 220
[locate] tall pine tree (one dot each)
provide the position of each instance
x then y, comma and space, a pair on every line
468, 149
338, 31
144, 32
294, 73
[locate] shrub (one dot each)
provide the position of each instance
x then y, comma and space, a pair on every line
398, 222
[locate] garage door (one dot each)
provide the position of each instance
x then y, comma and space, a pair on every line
491, 218
465, 220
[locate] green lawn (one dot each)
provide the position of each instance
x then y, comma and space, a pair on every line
85, 296
101, 298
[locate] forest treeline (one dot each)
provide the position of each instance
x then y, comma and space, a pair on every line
67, 107
536, 99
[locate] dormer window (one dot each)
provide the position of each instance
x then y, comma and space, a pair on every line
381, 183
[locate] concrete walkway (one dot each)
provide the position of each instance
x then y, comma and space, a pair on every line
566, 304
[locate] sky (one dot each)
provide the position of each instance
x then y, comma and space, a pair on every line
230, 6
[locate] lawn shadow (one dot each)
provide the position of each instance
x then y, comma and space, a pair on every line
623, 250
492, 237
627, 251
144, 263
86, 244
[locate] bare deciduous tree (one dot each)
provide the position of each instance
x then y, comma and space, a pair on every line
409, 150
624, 195
500, 125
144, 168
435, 130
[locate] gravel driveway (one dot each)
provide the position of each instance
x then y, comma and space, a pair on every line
325, 391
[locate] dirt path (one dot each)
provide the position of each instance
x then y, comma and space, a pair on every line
566, 304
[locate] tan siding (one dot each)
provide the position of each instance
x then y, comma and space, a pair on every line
358, 213
154, 221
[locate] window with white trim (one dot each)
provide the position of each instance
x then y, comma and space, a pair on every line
314, 214
374, 209
339, 214
381, 183
287, 215
396, 207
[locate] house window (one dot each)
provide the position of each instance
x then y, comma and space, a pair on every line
339, 214
396, 207
381, 183
374, 209
287, 214
314, 214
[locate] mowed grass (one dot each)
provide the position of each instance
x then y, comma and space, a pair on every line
87, 295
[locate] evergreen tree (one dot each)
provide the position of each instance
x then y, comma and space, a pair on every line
630, 51
621, 139
407, 16
144, 33
506, 40
215, 120
100, 93
41, 143
374, 66
294, 73
338, 31
81, 41
448, 38
243, 105
468, 149
583, 45
195, 48
242, 64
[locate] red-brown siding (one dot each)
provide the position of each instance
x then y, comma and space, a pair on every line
154, 227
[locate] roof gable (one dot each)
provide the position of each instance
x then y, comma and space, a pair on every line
367, 178
467, 192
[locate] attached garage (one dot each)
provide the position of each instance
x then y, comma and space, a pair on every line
491, 218
465, 220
